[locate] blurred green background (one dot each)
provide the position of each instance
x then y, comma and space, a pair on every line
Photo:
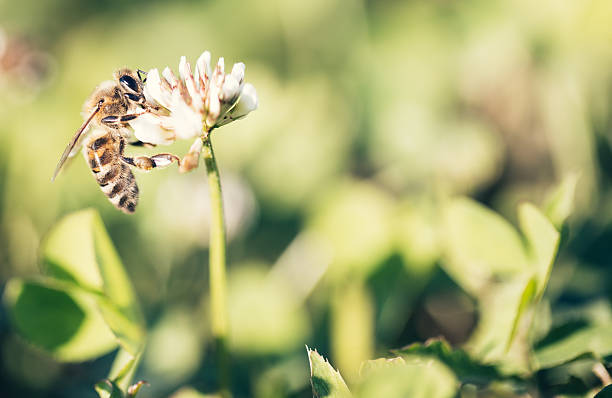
371, 114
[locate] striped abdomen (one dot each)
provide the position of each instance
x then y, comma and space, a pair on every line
103, 152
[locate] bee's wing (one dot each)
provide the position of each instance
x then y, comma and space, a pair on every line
72, 144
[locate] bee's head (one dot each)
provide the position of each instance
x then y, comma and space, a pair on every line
108, 97
131, 84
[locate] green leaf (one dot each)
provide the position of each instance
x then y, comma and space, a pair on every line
108, 389
372, 365
527, 298
501, 307
480, 245
116, 284
68, 252
415, 377
86, 304
563, 346
61, 319
79, 251
508, 274
468, 370
486, 255
325, 380
542, 243
560, 203
129, 333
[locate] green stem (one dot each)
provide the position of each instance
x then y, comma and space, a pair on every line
218, 290
123, 368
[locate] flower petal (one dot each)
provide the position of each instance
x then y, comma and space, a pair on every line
190, 84
213, 104
169, 75
197, 103
238, 72
230, 89
154, 91
246, 103
220, 69
203, 68
183, 67
186, 121
147, 128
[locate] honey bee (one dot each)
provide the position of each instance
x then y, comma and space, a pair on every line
104, 135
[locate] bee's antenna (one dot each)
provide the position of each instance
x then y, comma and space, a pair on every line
139, 72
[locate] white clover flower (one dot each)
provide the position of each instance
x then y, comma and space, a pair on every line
194, 103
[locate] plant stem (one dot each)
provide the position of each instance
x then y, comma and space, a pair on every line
218, 289
123, 368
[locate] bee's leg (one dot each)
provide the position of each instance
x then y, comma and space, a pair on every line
143, 144
148, 163
118, 121
192, 158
